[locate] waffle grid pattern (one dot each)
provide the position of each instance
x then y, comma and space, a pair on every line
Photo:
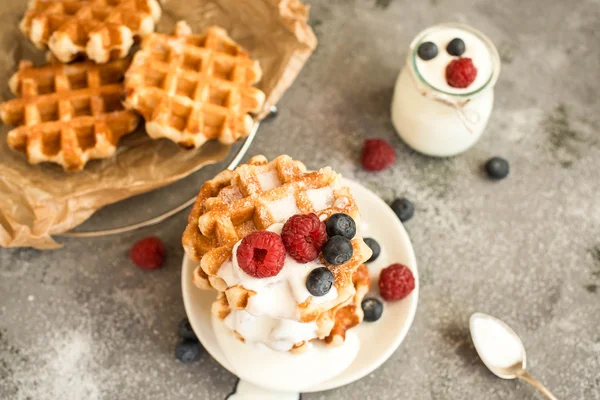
192, 88
68, 114
255, 196
102, 29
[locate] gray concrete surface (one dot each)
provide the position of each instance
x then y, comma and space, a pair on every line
83, 323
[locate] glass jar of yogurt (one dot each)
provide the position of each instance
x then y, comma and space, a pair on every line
428, 113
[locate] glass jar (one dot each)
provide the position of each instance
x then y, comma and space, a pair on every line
431, 116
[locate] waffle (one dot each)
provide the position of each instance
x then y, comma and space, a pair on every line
349, 315
67, 114
193, 88
333, 324
254, 197
103, 30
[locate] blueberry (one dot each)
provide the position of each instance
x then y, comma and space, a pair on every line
337, 250
403, 208
497, 168
187, 350
427, 51
319, 281
456, 47
341, 224
186, 331
372, 309
372, 243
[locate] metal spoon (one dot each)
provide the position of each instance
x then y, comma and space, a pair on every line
502, 351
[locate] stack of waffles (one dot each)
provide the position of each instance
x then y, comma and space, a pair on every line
189, 88
258, 196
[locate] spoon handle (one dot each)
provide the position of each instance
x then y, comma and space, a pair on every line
527, 377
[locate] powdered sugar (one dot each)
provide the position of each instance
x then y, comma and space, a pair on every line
283, 208
269, 180
320, 198
64, 370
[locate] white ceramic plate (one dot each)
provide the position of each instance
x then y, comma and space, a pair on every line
378, 340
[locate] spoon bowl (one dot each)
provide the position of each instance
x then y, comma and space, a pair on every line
502, 351
508, 357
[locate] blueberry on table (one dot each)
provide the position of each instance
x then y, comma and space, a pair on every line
372, 308
186, 331
497, 168
187, 350
375, 248
341, 224
319, 281
456, 47
403, 208
427, 51
338, 250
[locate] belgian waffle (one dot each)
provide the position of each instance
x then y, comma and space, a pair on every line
103, 30
68, 114
333, 324
192, 88
254, 197
347, 316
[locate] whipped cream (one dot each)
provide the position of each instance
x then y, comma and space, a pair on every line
277, 334
434, 71
277, 296
272, 314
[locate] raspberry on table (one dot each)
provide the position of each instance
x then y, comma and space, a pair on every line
396, 282
461, 72
377, 155
303, 236
148, 253
261, 254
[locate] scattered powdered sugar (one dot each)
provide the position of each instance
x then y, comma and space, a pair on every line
320, 198
284, 208
63, 370
269, 180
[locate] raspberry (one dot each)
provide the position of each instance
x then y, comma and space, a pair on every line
377, 155
461, 72
261, 254
303, 236
396, 282
148, 253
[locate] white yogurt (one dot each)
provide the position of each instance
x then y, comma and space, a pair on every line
277, 296
431, 116
434, 71
272, 315
278, 370
277, 334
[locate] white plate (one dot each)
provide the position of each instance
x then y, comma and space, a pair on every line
378, 340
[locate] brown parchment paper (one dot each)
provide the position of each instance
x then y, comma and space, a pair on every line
39, 201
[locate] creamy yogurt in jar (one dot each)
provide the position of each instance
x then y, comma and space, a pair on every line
428, 113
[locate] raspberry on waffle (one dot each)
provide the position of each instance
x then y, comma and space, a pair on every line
331, 326
103, 30
254, 197
68, 114
193, 88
